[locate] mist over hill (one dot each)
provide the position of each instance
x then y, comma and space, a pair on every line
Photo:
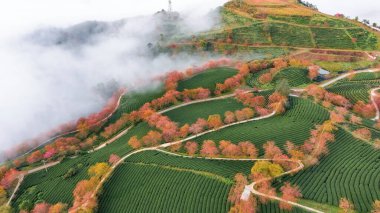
54, 75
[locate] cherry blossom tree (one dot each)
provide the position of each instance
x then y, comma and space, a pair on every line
34, 157
134, 142
209, 148
346, 205
152, 138
113, 159
376, 206
365, 110
184, 131
271, 150
289, 193
229, 149
196, 94
313, 72
238, 188
336, 117
214, 121
41, 208
363, 133
58, 208
199, 126
229, 117
263, 186
191, 147
265, 78
9, 178
3, 196
248, 149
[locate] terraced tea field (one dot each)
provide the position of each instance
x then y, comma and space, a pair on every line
294, 125
189, 114
152, 188
358, 88
349, 170
46, 186
207, 79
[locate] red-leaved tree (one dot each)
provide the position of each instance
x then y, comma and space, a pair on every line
289, 193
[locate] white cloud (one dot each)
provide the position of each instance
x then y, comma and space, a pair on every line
365, 9
43, 85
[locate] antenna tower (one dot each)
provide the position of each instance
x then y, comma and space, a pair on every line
170, 6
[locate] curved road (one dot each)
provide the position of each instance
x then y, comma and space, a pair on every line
165, 145
249, 188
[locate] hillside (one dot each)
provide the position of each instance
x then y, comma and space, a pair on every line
271, 133
285, 23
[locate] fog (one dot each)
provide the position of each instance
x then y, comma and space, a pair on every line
53, 61
364, 9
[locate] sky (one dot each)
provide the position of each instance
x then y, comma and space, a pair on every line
364, 9
21, 15
41, 87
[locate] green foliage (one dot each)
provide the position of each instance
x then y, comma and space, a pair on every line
283, 87
254, 34
3, 196
267, 168
291, 35
365, 39
230, 18
207, 79
320, 20
26, 205
72, 171
334, 66
6, 209
303, 20
332, 38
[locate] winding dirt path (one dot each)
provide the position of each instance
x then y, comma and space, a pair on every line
24, 173
251, 188
373, 93
21, 177
165, 145
345, 75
